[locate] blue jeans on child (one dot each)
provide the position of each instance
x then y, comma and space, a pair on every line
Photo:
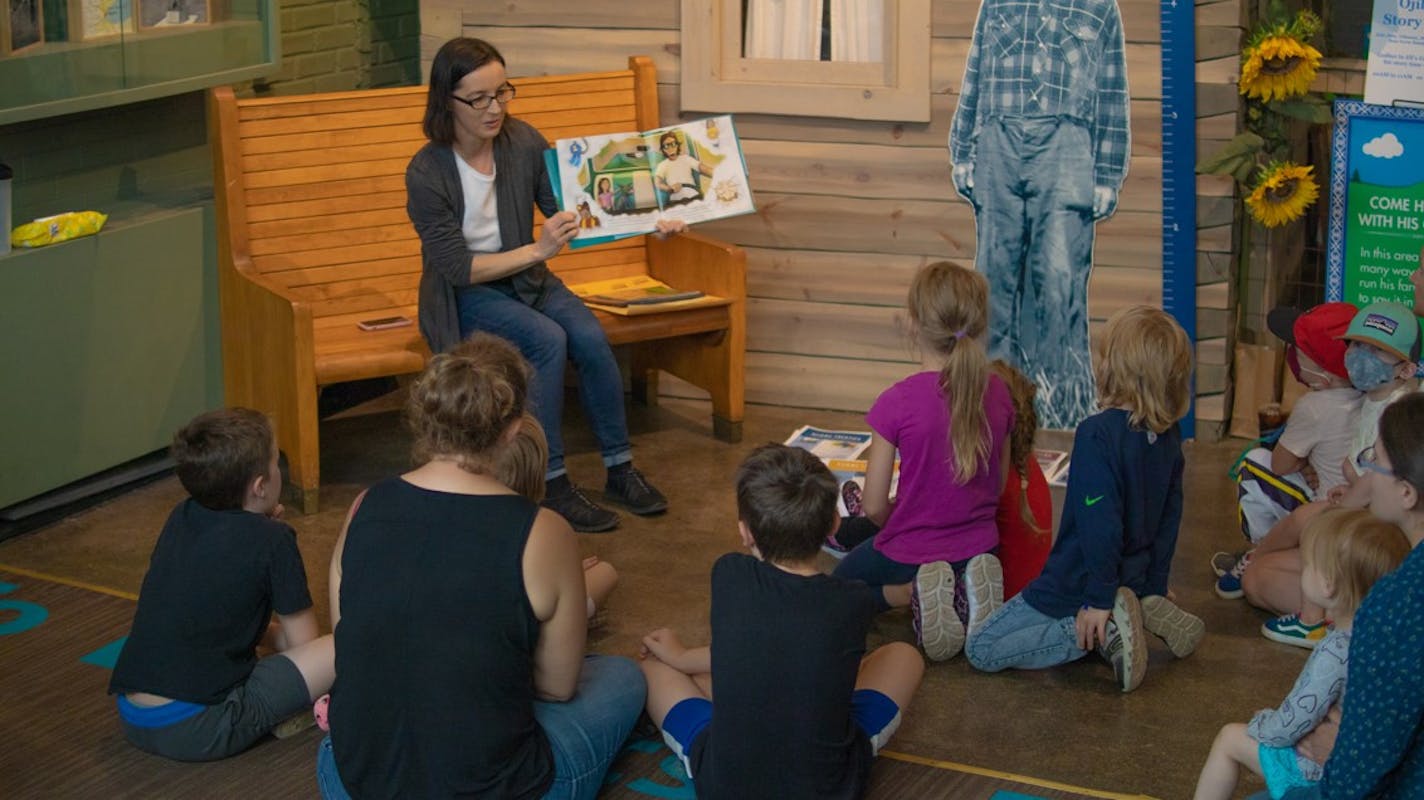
586, 733
559, 328
1017, 635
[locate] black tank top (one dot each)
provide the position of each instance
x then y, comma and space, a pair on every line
434, 652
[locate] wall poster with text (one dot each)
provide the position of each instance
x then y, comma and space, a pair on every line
1376, 202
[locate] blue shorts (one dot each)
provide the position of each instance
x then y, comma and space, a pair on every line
1280, 766
873, 712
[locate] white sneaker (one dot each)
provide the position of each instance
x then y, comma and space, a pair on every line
940, 632
1181, 631
984, 587
1126, 648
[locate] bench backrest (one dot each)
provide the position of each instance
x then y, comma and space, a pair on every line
311, 188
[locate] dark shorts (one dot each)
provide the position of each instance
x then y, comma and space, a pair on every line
273, 692
877, 716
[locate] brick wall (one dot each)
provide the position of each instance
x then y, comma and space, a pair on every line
338, 45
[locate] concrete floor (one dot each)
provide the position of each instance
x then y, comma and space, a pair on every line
1068, 724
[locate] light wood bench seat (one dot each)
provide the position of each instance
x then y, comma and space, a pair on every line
313, 237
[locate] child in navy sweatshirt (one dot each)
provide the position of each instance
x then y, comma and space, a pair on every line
1119, 524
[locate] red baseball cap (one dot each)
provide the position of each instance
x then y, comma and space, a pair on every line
1316, 332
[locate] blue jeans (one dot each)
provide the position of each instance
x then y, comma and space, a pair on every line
586, 733
1016, 635
1033, 190
560, 328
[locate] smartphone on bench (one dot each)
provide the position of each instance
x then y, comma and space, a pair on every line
383, 323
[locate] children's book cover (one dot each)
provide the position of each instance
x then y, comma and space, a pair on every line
621, 184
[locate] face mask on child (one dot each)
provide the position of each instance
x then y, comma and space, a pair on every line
1366, 370
1310, 378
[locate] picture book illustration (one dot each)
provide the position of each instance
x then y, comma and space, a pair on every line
621, 184
842, 452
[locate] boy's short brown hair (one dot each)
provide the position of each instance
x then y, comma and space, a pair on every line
787, 498
219, 453
1351, 549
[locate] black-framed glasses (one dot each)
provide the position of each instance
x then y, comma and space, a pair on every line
480, 102
1366, 461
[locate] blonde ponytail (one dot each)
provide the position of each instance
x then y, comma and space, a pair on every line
949, 306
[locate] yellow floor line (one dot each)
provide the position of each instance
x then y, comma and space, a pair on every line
1009, 776
29, 573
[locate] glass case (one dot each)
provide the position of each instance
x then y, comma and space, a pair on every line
62, 56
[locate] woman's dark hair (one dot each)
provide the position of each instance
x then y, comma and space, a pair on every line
1401, 431
456, 59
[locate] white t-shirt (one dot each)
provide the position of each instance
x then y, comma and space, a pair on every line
481, 223
1370, 413
678, 174
1321, 428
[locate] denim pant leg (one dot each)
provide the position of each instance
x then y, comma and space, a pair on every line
1016, 635
587, 732
600, 382
541, 341
878, 570
1054, 327
999, 224
328, 781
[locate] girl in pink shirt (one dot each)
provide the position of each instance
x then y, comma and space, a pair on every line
950, 425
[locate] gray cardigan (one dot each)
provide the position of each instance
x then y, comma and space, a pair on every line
436, 205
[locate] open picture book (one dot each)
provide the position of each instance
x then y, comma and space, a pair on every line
842, 452
621, 184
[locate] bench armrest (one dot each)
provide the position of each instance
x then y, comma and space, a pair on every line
694, 261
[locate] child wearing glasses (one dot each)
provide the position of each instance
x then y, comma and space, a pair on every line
1381, 359
1307, 457
1343, 552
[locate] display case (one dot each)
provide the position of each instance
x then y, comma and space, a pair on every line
62, 56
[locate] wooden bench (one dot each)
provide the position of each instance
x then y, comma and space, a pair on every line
313, 237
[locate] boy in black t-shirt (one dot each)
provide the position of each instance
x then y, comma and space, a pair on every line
798, 711
189, 683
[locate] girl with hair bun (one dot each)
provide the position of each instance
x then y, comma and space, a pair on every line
459, 611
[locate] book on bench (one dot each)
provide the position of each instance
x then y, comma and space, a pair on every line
641, 294
621, 184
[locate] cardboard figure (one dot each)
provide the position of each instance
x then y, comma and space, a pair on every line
1039, 147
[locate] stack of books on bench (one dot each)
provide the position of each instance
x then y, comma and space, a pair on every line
641, 294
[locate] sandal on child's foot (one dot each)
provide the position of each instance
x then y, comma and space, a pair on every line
940, 632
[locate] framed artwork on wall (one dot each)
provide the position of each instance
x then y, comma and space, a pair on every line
95, 19
168, 13
22, 26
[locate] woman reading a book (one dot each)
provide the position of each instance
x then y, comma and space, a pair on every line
471, 191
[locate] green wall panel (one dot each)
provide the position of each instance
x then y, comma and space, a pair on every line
108, 344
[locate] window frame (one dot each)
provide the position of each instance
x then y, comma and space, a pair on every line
715, 77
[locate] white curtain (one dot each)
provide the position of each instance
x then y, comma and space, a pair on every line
858, 30
787, 29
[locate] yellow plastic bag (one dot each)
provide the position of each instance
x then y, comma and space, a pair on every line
58, 228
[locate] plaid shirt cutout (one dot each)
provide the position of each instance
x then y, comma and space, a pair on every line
1038, 58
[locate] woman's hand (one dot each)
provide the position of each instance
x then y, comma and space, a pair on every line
558, 230
669, 227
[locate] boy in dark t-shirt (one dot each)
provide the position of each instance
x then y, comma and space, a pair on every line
798, 711
190, 686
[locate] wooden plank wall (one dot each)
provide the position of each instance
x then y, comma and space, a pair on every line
848, 210
1219, 33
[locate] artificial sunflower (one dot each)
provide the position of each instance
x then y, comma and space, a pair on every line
1278, 62
1282, 194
